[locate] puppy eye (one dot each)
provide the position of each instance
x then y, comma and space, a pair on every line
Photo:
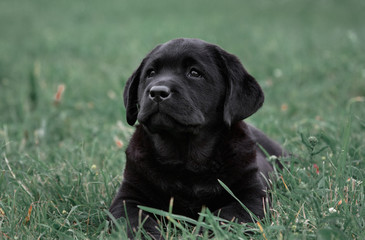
195, 73
151, 73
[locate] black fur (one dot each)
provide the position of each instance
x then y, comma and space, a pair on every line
191, 134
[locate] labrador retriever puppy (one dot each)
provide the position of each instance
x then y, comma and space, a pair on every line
190, 98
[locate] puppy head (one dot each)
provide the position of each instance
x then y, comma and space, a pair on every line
187, 84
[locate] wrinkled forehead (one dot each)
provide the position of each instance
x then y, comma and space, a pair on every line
189, 51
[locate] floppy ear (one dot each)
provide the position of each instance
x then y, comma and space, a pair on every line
243, 94
131, 96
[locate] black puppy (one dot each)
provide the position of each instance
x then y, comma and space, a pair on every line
190, 98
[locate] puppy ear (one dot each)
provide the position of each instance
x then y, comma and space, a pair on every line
130, 96
243, 94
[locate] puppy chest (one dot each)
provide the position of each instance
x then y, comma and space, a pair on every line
190, 201
193, 192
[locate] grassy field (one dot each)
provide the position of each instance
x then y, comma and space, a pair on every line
62, 161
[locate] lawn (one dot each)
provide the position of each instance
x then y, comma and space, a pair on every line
62, 157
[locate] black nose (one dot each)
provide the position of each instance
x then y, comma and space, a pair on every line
159, 93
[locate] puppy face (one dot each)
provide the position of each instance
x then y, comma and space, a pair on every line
187, 84
180, 88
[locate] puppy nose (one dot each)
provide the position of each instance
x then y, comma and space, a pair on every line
159, 93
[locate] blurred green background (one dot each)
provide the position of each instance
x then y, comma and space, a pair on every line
307, 55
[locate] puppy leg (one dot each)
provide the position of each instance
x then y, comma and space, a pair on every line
136, 218
235, 212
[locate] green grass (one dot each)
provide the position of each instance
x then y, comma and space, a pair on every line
60, 166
